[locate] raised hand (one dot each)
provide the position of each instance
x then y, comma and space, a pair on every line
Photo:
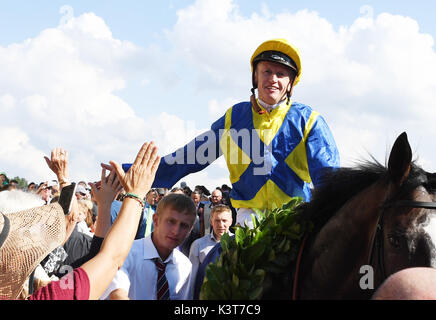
107, 189
59, 165
140, 177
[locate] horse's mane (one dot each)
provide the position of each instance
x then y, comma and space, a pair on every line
339, 185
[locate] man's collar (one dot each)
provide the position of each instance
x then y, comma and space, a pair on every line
150, 251
212, 236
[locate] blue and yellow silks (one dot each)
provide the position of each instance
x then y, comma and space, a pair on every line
271, 157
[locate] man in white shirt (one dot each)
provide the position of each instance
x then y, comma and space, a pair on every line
138, 277
220, 220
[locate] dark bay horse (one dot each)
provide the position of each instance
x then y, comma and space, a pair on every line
371, 217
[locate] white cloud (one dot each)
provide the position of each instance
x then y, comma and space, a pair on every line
59, 89
7, 103
21, 156
218, 109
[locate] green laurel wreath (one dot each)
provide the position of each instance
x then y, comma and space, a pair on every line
270, 248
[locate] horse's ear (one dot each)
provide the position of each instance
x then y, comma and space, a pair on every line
400, 160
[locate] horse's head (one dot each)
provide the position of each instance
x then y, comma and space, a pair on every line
369, 215
408, 217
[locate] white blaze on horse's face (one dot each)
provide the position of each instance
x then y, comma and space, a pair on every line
430, 230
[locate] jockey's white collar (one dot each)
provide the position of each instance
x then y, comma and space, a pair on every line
269, 107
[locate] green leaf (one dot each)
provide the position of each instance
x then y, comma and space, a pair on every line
253, 253
240, 236
235, 280
256, 293
225, 239
272, 255
268, 248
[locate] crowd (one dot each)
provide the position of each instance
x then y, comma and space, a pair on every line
203, 198
212, 216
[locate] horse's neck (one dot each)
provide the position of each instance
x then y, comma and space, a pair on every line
343, 245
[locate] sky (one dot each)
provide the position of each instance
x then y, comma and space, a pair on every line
99, 78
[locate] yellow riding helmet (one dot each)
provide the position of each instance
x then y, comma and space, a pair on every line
279, 51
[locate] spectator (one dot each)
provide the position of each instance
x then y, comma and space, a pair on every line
137, 278
187, 191
161, 192
54, 187
78, 247
87, 188
195, 232
177, 190
85, 221
221, 220
196, 196
13, 185
76, 244
216, 197
81, 192
83, 184
145, 226
204, 193
193, 235
15, 201
31, 187
90, 280
226, 200
211, 257
204, 212
44, 191
3, 179
149, 211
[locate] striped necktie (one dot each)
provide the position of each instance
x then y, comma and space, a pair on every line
162, 289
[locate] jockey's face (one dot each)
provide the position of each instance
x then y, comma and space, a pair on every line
273, 81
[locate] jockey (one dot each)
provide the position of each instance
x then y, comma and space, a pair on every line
275, 148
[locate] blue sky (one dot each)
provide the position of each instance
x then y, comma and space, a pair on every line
133, 19
102, 78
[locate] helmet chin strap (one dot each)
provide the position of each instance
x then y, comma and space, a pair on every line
289, 92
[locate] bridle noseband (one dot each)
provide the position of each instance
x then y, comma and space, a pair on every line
378, 244
410, 203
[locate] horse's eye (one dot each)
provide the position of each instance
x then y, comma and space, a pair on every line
394, 241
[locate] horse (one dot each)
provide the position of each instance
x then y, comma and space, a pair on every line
369, 222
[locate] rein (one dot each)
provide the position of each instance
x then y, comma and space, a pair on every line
378, 243
297, 269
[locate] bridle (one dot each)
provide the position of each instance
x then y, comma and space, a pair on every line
378, 244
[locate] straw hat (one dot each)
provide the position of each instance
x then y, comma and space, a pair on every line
27, 237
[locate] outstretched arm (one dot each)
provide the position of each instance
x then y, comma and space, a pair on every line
194, 157
138, 180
